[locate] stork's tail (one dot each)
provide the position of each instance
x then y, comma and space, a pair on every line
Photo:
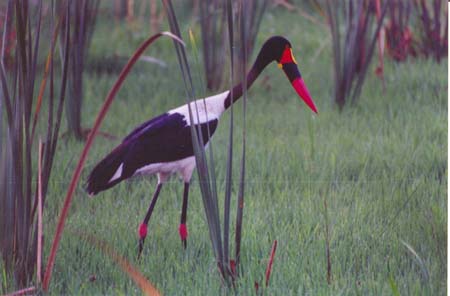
107, 172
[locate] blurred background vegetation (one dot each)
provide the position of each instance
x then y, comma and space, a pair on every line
356, 197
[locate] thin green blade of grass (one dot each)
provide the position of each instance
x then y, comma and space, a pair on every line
393, 286
390, 222
327, 242
77, 173
420, 262
138, 278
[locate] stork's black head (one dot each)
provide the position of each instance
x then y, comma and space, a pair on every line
273, 48
278, 48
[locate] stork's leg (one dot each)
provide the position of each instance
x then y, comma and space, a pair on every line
182, 229
143, 226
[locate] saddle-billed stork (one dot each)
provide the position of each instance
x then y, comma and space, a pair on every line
163, 145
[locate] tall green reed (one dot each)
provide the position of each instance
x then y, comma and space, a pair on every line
205, 166
19, 193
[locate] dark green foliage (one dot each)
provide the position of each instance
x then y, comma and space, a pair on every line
18, 155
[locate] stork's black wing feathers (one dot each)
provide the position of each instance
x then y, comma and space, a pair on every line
152, 125
164, 138
168, 139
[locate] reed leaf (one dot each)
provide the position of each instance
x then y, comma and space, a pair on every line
228, 180
209, 200
211, 155
240, 199
5, 92
205, 167
44, 79
39, 221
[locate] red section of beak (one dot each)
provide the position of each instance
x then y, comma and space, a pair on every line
302, 90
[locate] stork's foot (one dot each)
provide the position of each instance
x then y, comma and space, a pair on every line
182, 230
142, 235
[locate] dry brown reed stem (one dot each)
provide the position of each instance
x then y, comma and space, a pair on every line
146, 287
270, 263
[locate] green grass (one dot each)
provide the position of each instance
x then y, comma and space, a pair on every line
381, 167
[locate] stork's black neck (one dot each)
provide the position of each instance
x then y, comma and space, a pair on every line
236, 93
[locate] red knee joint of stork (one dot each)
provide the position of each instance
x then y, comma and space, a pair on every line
182, 230
142, 230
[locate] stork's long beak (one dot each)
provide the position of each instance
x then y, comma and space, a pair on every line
289, 66
301, 89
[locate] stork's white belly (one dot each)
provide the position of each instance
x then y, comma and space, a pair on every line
183, 166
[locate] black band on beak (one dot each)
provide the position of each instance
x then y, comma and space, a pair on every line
291, 71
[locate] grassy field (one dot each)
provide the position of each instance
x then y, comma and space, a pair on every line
380, 167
